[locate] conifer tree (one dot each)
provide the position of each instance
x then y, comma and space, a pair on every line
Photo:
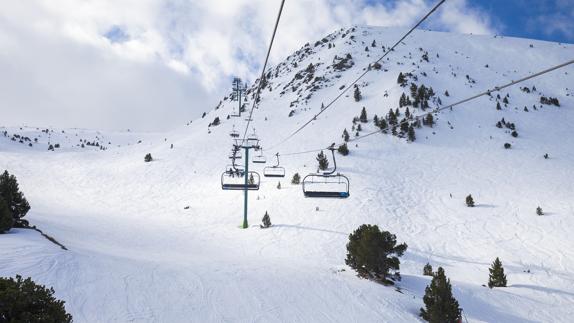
357, 94
376, 120
343, 149
323, 161
373, 253
411, 133
440, 305
407, 113
404, 126
427, 270
13, 198
403, 100
414, 90
266, 221
498, 107
469, 201
539, 211
363, 117
429, 120
22, 300
496, 278
148, 158
345, 135
401, 80
296, 180
392, 117
383, 124
6, 219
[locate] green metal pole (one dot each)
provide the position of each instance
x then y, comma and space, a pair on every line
245, 225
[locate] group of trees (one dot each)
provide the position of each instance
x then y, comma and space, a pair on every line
549, 101
13, 204
374, 254
22, 300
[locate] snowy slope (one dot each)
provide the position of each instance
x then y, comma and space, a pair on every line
137, 254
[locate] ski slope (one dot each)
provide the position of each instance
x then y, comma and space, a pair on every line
161, 242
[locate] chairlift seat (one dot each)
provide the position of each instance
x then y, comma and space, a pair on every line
274, 171
231, 182
325, 186
259, 159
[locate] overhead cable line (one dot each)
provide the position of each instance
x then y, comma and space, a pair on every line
256, 100
487, 92
360, 76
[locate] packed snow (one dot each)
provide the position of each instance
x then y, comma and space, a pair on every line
161, 241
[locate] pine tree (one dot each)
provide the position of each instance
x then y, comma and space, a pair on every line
373, 253
383, 124
403, 100
407, 113
345, 135
357, 94
22, 300
411, 133
376, 120
401, 80
279, 185
440, 305
498, 107
6, 219
296, 180
392, 117
469, 201
148, 158
496, 278
429, 120
266, 221
414, 91
539, 211
13, 198
363, 117
427, 270
343, 149
404, 125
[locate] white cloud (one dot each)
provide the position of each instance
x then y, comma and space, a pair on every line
173, 59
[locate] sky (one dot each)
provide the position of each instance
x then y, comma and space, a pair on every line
152, 65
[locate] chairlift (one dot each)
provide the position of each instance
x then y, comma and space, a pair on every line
234, 133
326, 185
259, 159
233, 179
274, 171
253, 139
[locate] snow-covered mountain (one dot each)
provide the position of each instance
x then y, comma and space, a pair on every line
161, 241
